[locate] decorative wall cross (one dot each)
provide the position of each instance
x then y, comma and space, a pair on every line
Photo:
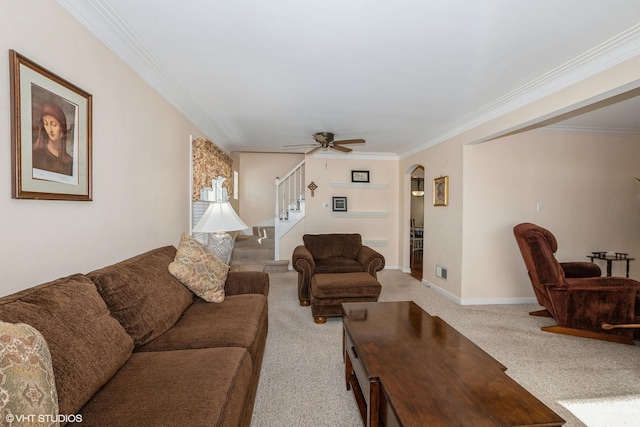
312, 187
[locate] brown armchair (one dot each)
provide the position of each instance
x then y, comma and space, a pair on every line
332, 253
575, 295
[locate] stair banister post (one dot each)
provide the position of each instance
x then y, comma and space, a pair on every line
300, 185
276, 225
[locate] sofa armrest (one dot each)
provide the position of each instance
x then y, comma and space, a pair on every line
302, 260
580, 269
372, 260
247, 282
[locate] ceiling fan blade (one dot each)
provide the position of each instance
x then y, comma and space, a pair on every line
339, 148
300, 145
313, 150
350, 141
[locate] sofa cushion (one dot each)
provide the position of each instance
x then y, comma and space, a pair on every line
200, 271
338, 265
345, 285
205, 387
27, 382
87, 344
142, 294
333, 245
240, 321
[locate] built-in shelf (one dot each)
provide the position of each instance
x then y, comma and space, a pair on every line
358, 185
360, 214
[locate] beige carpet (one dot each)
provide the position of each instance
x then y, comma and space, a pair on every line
302, 380
623, 411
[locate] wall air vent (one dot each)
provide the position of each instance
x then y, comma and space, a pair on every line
441, 272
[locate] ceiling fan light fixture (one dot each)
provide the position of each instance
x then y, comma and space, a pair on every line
325, 141
323, 137
418, 193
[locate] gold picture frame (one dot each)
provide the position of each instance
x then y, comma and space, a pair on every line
441, 191
51, 126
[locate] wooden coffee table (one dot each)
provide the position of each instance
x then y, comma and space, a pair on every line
408, 368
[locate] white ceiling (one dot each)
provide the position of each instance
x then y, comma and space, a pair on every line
403, 74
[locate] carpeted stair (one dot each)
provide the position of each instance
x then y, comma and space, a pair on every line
256, 252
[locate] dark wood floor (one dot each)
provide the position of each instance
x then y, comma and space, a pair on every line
416, 264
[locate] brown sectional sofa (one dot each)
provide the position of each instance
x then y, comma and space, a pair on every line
132, 346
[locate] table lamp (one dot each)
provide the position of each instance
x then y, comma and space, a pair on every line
217, 220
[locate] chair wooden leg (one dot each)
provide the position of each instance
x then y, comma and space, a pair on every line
588, 334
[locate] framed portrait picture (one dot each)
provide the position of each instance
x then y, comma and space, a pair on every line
339, 204
51, 123
359, 176
441, 191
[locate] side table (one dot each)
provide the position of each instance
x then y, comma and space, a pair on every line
618, 256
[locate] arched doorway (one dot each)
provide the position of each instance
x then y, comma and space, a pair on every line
416, 230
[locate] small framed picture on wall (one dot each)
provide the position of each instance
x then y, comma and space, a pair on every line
441, 191
339, 204
359, 176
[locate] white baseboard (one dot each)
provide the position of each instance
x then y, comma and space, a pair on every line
464, 301
480, 301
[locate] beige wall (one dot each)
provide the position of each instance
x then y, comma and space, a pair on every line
140, 158
337, 169
257, 191
258, 173
442, 224
454, 243
588, 194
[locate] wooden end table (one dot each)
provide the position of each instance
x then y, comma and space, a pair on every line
408, 368
618, 256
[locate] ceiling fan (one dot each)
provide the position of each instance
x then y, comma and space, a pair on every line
325, 139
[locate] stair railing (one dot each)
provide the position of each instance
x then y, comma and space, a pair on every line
289, 196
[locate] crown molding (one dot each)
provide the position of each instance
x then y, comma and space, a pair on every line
585, 130
608, 54
105, 23
110, 28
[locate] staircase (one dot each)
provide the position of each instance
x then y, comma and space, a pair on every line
289, 203
256, 252
260, 251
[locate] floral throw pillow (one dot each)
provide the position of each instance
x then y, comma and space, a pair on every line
28, 393
200, 271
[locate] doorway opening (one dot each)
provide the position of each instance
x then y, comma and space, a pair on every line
416, 230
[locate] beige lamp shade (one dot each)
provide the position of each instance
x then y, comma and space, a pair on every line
217, 219
219, 216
